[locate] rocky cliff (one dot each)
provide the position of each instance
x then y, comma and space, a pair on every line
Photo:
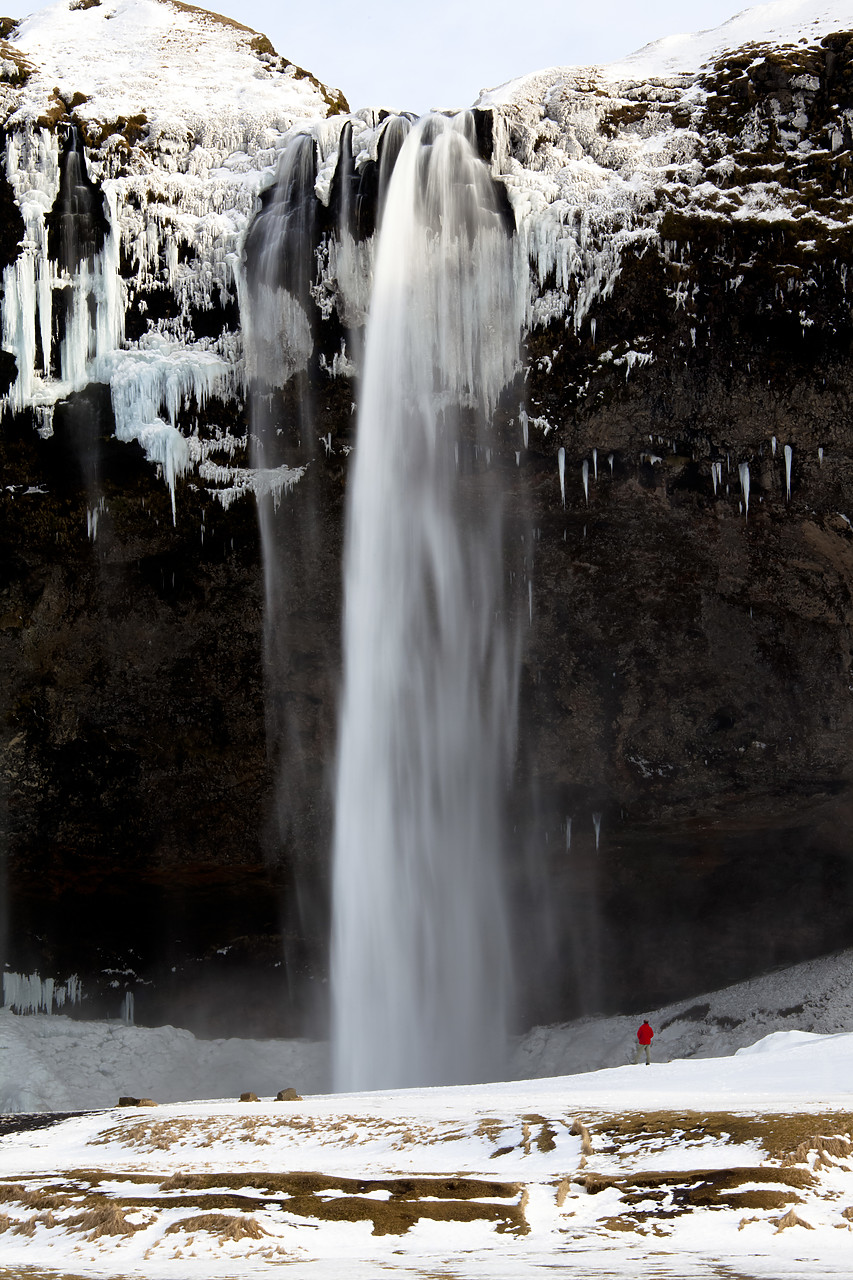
679, 465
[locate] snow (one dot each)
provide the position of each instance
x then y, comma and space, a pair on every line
782, 22
691, 1165
692, 1168
175, 62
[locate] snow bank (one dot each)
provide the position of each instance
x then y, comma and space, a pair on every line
58, 1063
815, 997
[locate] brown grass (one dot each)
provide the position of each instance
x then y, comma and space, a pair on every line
579, 1130
705, 1188
791, 1220
777, 1135
107, 1219
208, 17
10, 1193
300, 1184
395, 1217
838, 1148
544, 1139
226, 1226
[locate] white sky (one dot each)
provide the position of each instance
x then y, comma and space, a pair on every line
396, 54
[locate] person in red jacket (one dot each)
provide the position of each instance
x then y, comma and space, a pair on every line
644, 1041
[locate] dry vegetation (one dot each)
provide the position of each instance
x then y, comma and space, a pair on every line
791, 1156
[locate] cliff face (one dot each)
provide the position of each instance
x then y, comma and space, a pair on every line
681, 465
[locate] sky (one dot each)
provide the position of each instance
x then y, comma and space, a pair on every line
392, 54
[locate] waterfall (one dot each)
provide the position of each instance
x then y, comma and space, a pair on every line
279, 317
420, 955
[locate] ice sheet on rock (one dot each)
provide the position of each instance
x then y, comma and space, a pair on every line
162, 378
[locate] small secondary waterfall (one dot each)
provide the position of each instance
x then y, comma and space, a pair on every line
77, 231
420, 954
84, 316
279, 317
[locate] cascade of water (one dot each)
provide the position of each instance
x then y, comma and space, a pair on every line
279, 318
78, 231
420, 966
279, 272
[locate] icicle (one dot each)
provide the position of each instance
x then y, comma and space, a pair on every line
773, 445
789, 458
30, 993
611, 460
593, 326
596, 822
585, 478
127, 1009
561, 467
743, 472
518, 458
524, 422
595, 463
568, 834
820, 457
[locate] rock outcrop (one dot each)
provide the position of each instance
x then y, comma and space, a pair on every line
680, 466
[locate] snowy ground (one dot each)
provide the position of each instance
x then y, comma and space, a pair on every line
737, 1166
707, 1166
58, 1063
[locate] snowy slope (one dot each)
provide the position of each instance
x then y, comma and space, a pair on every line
183, 67
779, 23
815, 997
679, 57
739, 1166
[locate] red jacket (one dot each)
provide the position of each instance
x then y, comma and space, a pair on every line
644, 1035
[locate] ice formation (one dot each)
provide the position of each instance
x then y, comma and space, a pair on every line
177, 176
743, 473
30, 993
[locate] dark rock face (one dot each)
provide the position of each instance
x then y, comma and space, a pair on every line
687, 683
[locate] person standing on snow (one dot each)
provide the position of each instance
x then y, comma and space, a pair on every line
644, 1041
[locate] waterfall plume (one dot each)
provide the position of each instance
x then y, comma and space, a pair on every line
420, 951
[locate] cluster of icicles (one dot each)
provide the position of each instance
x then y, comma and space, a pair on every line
716, 471
30, 993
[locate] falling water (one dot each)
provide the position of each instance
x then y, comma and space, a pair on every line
279, 316
420, 965
77, 230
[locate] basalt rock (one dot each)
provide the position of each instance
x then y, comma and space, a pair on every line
684, 764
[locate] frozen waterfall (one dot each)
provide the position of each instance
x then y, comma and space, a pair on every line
420, 953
